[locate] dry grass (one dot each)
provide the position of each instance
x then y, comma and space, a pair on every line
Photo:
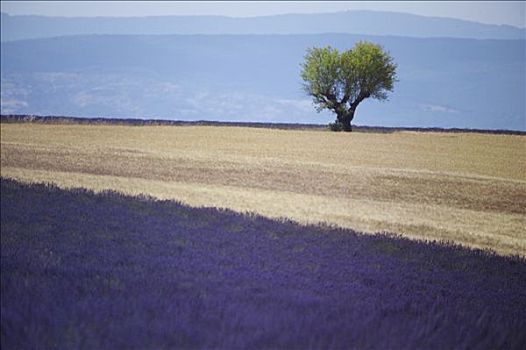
467, 188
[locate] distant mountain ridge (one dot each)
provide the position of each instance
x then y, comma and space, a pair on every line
349, 22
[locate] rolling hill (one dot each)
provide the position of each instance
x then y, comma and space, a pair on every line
444, 82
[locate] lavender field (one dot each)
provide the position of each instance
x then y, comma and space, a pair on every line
106, 271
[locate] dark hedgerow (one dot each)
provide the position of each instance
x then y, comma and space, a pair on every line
336, 126
106, 271
284, 126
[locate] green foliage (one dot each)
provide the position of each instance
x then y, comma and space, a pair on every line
340, 81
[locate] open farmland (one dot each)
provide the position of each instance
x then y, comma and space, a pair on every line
464, 187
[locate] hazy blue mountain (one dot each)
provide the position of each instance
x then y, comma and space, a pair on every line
443, 82
353, 22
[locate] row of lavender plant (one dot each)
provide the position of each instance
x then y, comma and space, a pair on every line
106, 271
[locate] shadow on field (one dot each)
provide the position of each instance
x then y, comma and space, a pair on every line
85, 270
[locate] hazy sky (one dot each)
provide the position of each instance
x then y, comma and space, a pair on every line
494, 12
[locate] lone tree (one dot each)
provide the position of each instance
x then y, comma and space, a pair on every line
340, 81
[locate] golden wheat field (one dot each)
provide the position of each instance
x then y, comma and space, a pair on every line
467, 188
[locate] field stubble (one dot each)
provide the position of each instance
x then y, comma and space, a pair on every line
468, 188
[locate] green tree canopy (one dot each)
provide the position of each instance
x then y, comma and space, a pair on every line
339, 82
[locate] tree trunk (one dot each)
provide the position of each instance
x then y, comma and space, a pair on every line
345, 120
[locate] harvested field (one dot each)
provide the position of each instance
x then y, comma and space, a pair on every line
464, 187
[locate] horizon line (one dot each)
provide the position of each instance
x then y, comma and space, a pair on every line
262, 16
